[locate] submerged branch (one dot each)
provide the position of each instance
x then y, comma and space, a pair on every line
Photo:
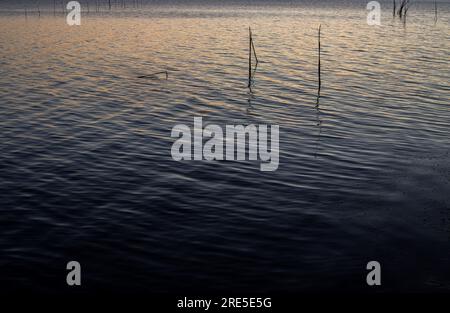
154, 75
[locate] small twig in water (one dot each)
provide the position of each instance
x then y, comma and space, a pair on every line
154, 75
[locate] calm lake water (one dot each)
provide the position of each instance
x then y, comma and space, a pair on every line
86, 172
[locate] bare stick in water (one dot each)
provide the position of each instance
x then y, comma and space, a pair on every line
154, 75
404, 7
254, 52
407, 6
435, 12
250, 58
318, 63
393, 10
251, 51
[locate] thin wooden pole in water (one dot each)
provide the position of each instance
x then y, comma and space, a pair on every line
250, 58
318, 64
254, 52
109, 3
251, 51
404, 7
393, 10
435, 12
407, 6
400, 10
